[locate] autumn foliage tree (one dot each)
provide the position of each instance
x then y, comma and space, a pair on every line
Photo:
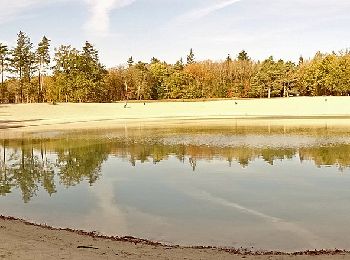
77, 75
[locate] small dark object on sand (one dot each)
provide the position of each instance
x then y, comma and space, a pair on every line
88, 247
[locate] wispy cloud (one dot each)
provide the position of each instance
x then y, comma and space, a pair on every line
17, 9
12, 9
205, 11
98, 21
100, 11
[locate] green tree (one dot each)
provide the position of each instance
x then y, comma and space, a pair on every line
114, 84
130, 61
160, 71
79, 75
143, 81
43, 60
190, 57
3, 63
22, 61
93, 73
179, 65
154, 60
228, 59
267, 80
290, 79
243, 55
65, 73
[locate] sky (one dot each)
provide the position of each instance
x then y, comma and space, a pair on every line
167, 29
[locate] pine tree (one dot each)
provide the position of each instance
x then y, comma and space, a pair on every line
130, 61
22, 60
89, 65
243, 55
3, 63
228, 59
301, 60
179, 65
190, 57
43, 60
89, 53
154, 60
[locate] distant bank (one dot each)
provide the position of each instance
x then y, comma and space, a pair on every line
93, 115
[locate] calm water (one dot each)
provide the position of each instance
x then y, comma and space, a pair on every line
268, 188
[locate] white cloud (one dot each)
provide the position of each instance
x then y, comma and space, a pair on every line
100, 11
202, 12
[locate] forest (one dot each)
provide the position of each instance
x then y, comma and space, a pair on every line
30, 73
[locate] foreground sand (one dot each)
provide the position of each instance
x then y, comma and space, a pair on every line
68, 115
19, 240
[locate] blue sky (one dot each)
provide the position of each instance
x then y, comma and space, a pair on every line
167, 29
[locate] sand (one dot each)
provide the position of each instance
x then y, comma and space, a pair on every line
19, 240
33, 117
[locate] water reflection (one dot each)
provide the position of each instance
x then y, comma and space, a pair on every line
29, 163
72, 157
267, 187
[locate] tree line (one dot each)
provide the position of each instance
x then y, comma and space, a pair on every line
30, 74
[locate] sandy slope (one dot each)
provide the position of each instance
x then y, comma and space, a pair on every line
61, 116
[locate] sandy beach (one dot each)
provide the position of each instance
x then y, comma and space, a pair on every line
302, 110
22, 240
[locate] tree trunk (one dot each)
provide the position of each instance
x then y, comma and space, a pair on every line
40, 87
126, 93
138, 91
41, 82
4, 152
21, 84
2, 82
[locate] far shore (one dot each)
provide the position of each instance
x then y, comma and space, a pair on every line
275, 111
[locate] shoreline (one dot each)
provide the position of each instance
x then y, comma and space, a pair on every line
93, 241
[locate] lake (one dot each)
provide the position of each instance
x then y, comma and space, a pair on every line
261, 187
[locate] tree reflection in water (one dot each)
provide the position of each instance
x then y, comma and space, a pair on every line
30, 163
